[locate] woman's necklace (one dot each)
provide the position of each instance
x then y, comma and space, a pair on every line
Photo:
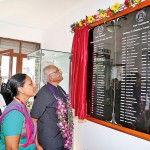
18, 99
65, 118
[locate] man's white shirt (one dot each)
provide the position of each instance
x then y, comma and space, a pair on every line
2, 103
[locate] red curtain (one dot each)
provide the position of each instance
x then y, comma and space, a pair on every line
78, 79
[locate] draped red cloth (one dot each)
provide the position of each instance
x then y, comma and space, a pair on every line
78, 76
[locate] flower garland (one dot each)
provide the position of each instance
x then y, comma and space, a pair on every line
103, 14
65, 121
65, 117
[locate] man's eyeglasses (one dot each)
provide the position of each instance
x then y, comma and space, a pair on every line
57, 70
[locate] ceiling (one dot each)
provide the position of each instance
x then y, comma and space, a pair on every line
35, 13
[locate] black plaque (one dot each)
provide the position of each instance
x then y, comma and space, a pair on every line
121, 71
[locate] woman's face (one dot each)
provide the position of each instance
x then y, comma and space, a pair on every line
29, 87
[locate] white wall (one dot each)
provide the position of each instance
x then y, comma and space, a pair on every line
20, 32
92, 136
88, 135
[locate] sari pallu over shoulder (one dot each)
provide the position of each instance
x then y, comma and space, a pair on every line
30, 128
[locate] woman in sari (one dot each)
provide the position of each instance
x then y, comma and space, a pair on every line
17, 129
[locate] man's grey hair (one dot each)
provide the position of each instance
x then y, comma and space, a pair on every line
45, 73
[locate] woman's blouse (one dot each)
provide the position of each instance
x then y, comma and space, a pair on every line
15, 120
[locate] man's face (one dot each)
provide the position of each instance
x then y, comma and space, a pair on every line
55, 74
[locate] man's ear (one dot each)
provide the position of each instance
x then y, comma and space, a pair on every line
50, 78
20, 89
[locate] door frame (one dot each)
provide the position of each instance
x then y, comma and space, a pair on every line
9, 53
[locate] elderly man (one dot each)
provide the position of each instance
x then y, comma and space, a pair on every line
52, 113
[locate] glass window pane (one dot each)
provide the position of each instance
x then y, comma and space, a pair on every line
14, 65
5, 68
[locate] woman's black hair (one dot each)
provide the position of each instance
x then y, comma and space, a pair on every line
10, 90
